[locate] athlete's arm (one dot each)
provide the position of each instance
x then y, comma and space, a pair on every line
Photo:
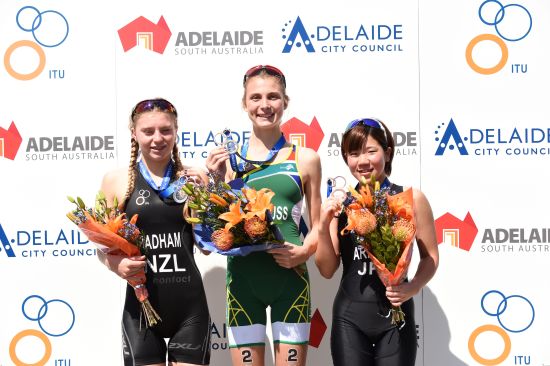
309, 165
327, 256
114, 185
427, 246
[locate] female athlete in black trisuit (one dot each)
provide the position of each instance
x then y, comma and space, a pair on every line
362, 333
174, 282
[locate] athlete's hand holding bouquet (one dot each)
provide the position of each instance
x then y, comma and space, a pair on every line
384, 225
109, 229
231, 218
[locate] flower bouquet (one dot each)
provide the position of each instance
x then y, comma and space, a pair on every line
384, 225
231, 218
109, 229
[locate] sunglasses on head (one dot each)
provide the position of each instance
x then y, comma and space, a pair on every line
149, 105
365, 122
270, 70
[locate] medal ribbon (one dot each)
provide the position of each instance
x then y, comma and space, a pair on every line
272, 152
165, 189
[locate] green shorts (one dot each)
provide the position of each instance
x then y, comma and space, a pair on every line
257, 282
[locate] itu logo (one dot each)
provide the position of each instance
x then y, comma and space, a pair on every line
458, 233
300, 134
511, 22
55, 318
515, 314
142, 32
10, 140
350, 38
49, 29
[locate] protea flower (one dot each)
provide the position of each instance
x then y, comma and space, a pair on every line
403, 230
222, 239
255, 227
362, 222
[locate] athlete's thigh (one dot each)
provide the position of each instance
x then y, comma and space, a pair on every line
141, 346
248, 356
290, 354
245, 314
397, 347
191, 343
291, 312
348, 345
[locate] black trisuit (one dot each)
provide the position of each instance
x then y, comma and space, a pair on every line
362, 335
174, 283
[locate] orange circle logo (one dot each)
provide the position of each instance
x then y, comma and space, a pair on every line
489, 361
33, 333
488, 70
31, 75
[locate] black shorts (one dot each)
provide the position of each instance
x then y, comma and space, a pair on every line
362, 335
188, 340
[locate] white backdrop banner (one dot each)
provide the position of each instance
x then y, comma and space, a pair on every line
462, 85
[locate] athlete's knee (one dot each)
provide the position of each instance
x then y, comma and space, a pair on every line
248, 356
290, 355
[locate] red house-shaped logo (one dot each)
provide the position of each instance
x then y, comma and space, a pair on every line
145, 33
298, 133
10, 140
458, 233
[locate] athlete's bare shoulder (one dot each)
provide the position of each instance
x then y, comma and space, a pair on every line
114, 184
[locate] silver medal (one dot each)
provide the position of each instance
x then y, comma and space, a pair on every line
179, 195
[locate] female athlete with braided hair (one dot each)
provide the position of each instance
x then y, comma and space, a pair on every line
174, 282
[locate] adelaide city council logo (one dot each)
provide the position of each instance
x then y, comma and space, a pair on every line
350, 38
55, 318
301, 134
49, 29
10, 140
515, 314
144, 33
38, 244
458, 233
511, 140
512, 23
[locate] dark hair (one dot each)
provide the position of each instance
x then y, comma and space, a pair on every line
355, 138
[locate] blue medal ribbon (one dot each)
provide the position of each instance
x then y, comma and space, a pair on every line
272, 152
165, 189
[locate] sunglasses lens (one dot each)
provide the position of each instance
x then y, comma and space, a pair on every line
365, 122
150, 105
352, 124
270, 70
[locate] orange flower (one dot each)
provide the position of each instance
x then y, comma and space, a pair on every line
362, 222
222, 239
258, 202
402, 204
115, 224
363, 197
403, 230
218, 200
233, 216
